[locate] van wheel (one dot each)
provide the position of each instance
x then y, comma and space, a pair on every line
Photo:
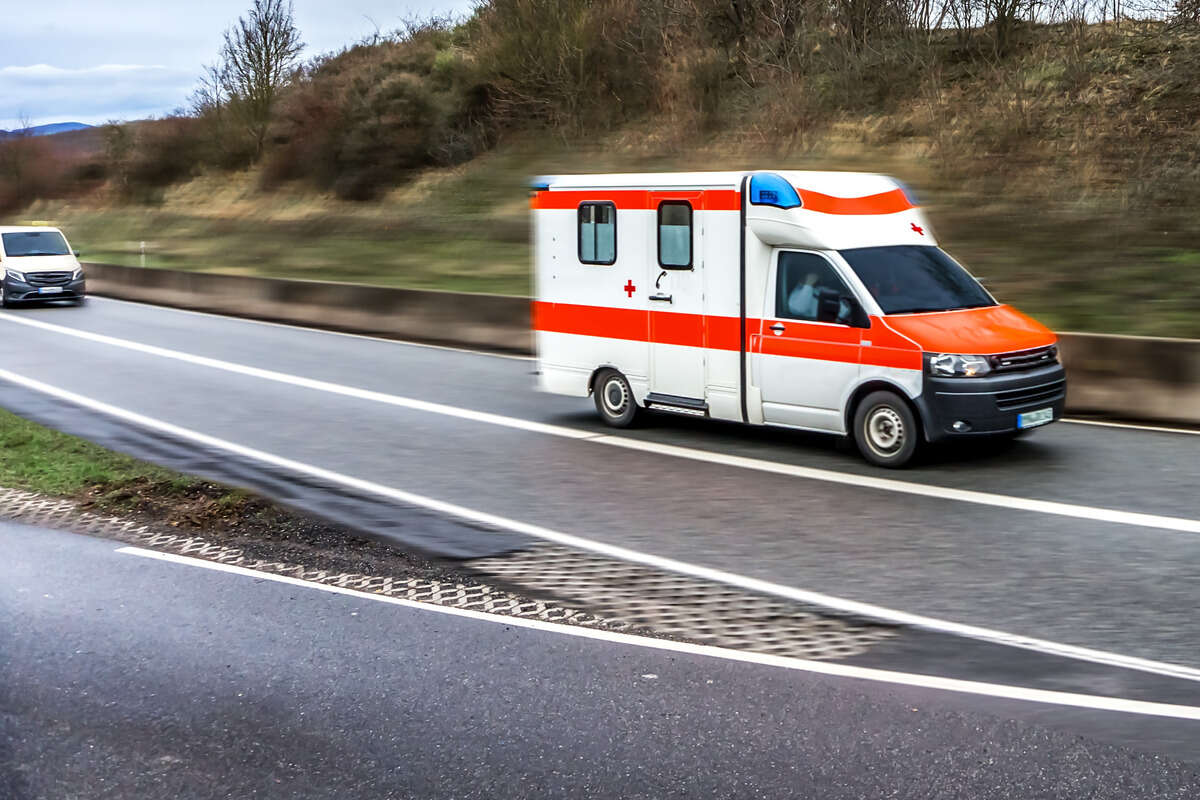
886, 430
614, 399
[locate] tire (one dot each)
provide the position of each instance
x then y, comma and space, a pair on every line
614, 399
886, 430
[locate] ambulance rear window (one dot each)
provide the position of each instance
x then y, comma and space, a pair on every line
598, 233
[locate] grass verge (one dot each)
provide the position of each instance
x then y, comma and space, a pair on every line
45, 461
41, 460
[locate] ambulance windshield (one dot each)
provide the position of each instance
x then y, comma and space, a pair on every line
907, 279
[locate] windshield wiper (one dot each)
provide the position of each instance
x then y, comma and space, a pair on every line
39, 253
935, 309
917, 310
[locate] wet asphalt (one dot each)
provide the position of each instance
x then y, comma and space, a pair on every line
123, 677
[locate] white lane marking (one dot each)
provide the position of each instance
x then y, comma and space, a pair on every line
1131, 426
297, 327
1051, 507
875, 612
1003, 691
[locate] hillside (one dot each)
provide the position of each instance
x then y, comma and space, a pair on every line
1060, 166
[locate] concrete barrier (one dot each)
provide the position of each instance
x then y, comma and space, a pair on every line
1129, 377
1132, 377
495, 322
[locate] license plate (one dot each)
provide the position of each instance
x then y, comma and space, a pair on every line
50, 290
1031, 419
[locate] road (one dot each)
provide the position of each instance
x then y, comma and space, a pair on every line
127, 677
1084, 535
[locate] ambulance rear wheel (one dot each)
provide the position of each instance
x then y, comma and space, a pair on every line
886, 430
614, 399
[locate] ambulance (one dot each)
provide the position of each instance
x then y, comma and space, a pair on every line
811, 300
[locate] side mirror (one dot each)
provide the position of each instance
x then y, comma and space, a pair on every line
829, 306
842, 310
854, 314
77, 254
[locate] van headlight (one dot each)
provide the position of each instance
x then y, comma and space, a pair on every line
77, 274
16, 276
952, 365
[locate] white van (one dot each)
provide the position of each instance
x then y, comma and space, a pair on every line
38, 265
810, 300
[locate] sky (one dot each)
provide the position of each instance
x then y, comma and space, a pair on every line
93, 61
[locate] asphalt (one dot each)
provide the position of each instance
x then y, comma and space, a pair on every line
1116, 587
128, 677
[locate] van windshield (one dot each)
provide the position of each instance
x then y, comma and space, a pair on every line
907, 279
35, 243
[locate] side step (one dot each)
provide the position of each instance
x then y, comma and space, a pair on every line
677, 405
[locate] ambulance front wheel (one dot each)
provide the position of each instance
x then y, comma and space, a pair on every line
614, 399
886, 430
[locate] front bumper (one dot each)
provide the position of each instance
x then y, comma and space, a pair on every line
989, 405
16, 291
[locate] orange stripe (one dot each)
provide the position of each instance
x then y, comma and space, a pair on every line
815, 349
891, 202
723, 333
638, 199
613, 323
827, 342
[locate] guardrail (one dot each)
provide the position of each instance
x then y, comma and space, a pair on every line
1131, 377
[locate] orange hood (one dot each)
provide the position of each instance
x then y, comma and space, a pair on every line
973, 331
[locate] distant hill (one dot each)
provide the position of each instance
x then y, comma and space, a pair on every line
48, 130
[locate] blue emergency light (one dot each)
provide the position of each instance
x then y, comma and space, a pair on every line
769, 189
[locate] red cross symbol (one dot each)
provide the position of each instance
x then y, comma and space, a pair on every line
918, 229
630, 288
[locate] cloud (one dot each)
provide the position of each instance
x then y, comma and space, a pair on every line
44, 93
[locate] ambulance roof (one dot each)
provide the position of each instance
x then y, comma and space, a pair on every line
835, 184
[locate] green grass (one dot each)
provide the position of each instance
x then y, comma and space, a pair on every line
46, 461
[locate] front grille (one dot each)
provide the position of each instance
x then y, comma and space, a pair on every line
48, 278
1031, 395
1024, 359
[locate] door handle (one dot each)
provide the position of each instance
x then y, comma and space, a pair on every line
777, 327
662, 298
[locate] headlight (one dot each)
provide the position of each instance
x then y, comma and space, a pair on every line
16, 276
950, 365
77, 274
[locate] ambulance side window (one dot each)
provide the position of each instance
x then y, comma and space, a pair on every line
675, 234
598, 233
802, 281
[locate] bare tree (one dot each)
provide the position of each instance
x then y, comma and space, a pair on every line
118, 153
209, 96
257, 59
